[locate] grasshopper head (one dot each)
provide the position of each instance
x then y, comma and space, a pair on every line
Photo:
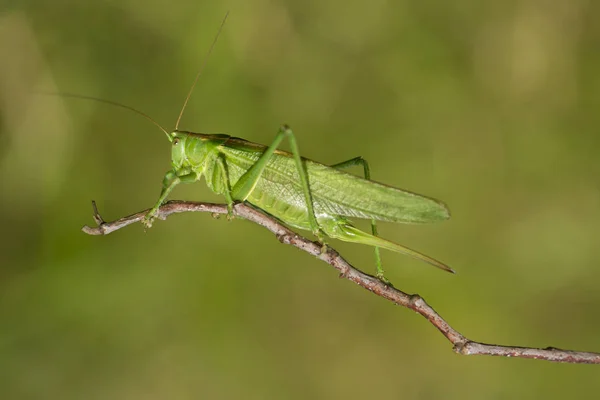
178, 156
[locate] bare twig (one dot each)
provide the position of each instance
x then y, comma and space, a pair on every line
461, 344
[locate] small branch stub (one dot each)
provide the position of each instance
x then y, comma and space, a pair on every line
461, 344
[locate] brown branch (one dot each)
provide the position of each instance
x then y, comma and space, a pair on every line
461, 344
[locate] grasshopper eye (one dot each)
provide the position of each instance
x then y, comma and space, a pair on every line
175, 142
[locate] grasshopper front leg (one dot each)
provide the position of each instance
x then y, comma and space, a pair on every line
247, 182
170, 180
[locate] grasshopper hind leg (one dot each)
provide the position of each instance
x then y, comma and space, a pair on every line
343, 230
359, 161
340, 228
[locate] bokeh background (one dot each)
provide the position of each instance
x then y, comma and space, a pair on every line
489, 106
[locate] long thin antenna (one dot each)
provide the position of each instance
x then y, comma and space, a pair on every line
200, 70
112, 103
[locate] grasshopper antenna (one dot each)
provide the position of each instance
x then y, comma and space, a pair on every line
200, 70
112, 103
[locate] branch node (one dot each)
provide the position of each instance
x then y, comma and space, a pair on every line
97, 217
461, 348
282, 237
416, 301
344, 273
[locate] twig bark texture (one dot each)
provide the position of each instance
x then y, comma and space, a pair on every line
461, 344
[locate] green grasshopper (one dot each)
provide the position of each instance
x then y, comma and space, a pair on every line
299, 192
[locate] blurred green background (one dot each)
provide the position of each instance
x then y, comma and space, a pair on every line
489, 106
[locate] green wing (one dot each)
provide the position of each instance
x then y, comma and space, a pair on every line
334, 192
352, 196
